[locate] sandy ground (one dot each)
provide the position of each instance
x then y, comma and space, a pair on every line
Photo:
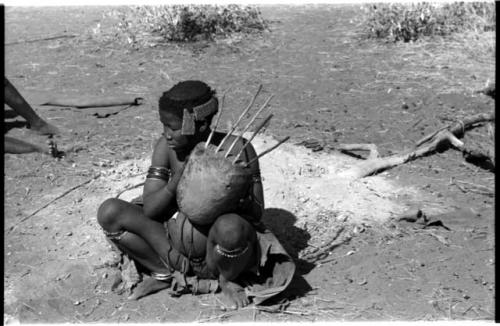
329, 85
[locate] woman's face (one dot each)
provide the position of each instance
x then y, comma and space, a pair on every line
172, 126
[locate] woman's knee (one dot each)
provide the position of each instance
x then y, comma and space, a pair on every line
108, 212
230, 229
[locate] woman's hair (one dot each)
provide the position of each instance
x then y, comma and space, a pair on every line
185, 95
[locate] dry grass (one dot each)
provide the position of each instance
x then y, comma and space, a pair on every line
148, 26
463, 62
412, 21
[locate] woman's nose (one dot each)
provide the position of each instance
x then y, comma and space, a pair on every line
168, 137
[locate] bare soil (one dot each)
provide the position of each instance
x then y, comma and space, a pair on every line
330, 85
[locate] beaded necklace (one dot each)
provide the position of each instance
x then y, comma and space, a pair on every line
230, 253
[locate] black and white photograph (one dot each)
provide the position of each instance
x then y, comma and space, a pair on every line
227, 162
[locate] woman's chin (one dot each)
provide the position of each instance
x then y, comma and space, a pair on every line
180, 149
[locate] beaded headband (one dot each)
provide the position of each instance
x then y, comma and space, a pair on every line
199, 113
230, 253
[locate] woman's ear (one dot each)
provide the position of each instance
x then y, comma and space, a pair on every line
203, 127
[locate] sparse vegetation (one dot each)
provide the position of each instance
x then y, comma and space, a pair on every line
411, 21
152, 25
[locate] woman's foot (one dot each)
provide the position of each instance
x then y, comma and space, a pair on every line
234, 295
149, 286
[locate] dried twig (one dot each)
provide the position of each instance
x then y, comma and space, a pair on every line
478, 189
43, 39
129, 188
440, 238
255, 309
430, 136
83, 102
53, 200
452, 181
372, 148
321, 253
476, 185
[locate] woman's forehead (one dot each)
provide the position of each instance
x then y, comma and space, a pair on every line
170, 118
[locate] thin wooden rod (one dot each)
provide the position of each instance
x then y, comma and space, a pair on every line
268, 150
253, 136
248, 125
218, 118
239, 119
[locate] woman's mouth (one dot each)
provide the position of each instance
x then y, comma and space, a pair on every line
171, 144
176, 147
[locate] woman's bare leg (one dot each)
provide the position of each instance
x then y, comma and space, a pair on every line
17, 102
145, 241
116, 215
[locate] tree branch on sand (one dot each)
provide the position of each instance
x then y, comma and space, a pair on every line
439, 140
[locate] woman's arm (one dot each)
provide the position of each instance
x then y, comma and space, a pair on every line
160, 186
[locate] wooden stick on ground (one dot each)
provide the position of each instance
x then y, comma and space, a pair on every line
324, 251
83, 102
443, 138
372, 148
472, 187
55, 37
53, 200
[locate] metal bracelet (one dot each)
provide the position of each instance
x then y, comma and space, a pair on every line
158, 172
117, 236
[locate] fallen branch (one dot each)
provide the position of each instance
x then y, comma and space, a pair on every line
484, 188
82, 102
438, 140
371, 148
53, 200
478, 189
43, 39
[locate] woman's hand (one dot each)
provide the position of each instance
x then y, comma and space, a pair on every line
176, 177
